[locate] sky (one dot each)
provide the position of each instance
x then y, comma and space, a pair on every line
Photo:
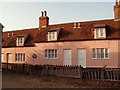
23, 15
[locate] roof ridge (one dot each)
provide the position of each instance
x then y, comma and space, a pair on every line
81, 22
20, 30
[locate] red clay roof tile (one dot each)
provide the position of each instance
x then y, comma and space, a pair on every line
67, 33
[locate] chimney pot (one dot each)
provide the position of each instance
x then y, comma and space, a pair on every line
45, 13
116, 3
42, 13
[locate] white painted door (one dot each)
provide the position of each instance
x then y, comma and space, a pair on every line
82, 57
9, 58
67, 57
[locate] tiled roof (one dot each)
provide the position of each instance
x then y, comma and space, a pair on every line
67, 32
85, 32
10, 41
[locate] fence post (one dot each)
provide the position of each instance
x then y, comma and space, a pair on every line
47, 70
103, 73
80, 71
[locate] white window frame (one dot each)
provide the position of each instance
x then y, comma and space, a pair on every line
20, 57
20, 41
100, 33
97, 54
52, 36
51, 54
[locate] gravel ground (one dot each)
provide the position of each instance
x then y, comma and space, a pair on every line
13, 80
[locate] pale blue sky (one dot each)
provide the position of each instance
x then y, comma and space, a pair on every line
23, 15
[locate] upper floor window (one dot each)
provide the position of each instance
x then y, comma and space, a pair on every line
20, 41
52, 36
100, 33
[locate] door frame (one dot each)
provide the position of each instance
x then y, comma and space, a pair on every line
85, 55
7, 59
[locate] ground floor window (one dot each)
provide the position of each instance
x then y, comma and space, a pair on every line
100, 53
20, 57
51, 54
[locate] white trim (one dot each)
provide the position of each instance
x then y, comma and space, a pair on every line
100, 53
52, 36
46, 54
19, 57
101, 33
20, 41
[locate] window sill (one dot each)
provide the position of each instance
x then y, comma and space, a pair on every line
100, 58
53, 40
50, 58
100, 38
20, 45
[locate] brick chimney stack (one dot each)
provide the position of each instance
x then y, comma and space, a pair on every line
43, 20
117, 11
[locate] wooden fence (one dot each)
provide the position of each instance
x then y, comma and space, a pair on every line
54, 70
65, 71
101, 73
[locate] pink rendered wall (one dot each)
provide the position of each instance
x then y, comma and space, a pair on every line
112, 45
119, 54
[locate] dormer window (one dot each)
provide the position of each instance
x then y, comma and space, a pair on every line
99, 32
20, 41
53, 34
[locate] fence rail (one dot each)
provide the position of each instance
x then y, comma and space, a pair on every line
65, 71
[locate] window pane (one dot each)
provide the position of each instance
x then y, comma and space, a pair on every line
101, 32
106, 53
46, 55
23, 57
94, 54
56, 54
53, 35
97, 33
98, 53
102, 53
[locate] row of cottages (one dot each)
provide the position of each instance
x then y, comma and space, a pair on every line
89, 44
